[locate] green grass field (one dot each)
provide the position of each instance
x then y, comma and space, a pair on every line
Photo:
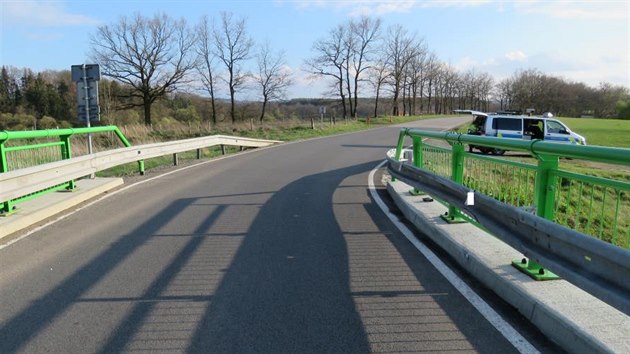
273, 131
604, 132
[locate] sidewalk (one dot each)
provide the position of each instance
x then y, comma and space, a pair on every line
33, 211
574, 319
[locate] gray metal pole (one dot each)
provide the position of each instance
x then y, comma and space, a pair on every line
87, 107
87, 112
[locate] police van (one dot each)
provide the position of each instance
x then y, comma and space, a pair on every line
520, 127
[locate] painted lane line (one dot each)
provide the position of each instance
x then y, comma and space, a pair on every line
516, 339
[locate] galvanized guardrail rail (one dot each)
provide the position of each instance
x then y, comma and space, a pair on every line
507, 194
30, 182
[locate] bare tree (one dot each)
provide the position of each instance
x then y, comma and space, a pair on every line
445, 88
206, 56
432, 74
329, 61
527, 87
233, 46
401, 47
272, 76
486, 82
426, 68
378, 76
347, 49
416, 73
504, 92
366, 31
152, 55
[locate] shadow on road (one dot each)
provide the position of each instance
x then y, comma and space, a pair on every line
313, 267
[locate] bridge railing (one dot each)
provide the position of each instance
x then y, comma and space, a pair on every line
574, 225
30, 182
44, 140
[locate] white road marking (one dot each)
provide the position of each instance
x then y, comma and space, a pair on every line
512, 335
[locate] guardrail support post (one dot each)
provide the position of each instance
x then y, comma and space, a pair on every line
546, 186
141, 167
399, 147
222, 149
175, 160
198, 154
7, 206
544, 195
417, 159
457, 175
66, 154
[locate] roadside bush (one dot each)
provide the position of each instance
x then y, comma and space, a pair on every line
47, 123
18, 121
623, 109
188, 114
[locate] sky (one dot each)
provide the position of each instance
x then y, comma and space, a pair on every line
580, 41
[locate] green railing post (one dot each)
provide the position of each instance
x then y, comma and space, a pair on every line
417, 159
457, 175
399, 147
66, 154
544, 194
125, 142
545, 186
7, 206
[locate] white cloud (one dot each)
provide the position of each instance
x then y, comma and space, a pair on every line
382, 7
590, 70
41, 13
516, 56
575, 9
379, 8
604, 9
466, 63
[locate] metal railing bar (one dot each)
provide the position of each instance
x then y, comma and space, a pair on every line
596, 266
34, 146
536, 147
46, 175
593, 179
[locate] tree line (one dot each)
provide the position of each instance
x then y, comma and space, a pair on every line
181, 70
361, 56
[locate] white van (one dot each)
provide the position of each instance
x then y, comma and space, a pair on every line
520, 127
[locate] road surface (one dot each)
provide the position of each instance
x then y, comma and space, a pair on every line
275, 250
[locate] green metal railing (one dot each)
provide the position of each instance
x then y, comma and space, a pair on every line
64, 153
595, 206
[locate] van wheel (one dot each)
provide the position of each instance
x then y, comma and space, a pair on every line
498, 151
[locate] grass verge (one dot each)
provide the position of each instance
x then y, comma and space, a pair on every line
283, 131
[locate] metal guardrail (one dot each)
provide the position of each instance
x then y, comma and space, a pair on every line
65, 153
591, 264
31, 181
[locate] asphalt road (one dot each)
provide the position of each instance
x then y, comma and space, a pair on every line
277, 250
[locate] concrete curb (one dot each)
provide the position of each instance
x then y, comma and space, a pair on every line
574, 319
36, 210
